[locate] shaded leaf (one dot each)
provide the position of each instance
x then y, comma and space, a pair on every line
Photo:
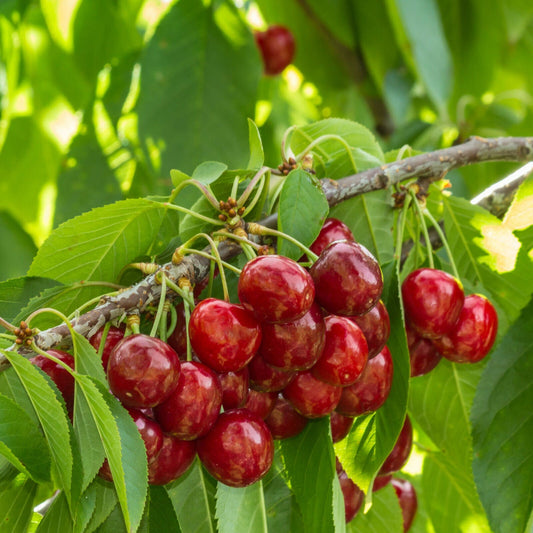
257, 154
105, 501
162, 516
16, 507
57, 517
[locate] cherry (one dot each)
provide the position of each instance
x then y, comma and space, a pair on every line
375, 325
432, 301
277, 48
400, 453
284, 421
150, 431
295, 345
340, 426
223, 335
234, 387
194, 405
371, 389
345, 354
178, 338
114, 335
423, 353
61, 377
474, 334
310, 396
275, 289
142, 371
408, 502
239, 449
380, 482
173, 460
264, 377
353, 496
332, 230
348, 279
260, 403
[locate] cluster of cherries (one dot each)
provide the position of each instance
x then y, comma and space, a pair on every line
442, 321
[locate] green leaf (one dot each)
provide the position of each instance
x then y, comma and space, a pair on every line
502, 424
16, 247
257, 154
57, 517
123, 446
209, 171
193, 499
241, 509
15, 293
309, 463
302, 211
162, 515
16, 507
22, 442
204, 57
178, 177
105, 501
52, 417
373, 436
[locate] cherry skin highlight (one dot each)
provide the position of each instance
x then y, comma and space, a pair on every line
142, 371
239, 449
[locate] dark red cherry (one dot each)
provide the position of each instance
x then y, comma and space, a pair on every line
423, 353
142, 371
173, 460
61, 377
375, 325
284, 421
223, 335
194, 405
340, 426
371, 389
432, 301
275, 289
295, 345
239, 449
114, 335
353, 496
348, 279
260, 403
277, 47
332, 230
310, 396
380, 482
400, 453
473, 336
266, 378
234, 387
408, 501
178, 337
345, 354
150, 431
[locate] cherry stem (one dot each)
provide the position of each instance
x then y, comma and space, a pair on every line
284, 141
238, 238
7, 336
402, 218
7, 325
161, 278
187, 313
186, 294
209, 256
424, 228
203, 189
257, 229
328, 137
101, 346
213, 221
250, 187
444, 240
163, 334
234, 188
173, 320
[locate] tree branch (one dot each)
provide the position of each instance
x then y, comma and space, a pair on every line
430, 166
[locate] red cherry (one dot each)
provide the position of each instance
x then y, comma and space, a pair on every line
234, 387
474, 334
194, 405
275, 289
173, 460
348, 279
353, 496
432, 301
408, 501
332, 230
375, 325
260, 403
423, 353
284, 421
61, 377
371, 389
340, 426
380, 482
223, 335
345, 354
113, 337
239, 449
142, 371
266, 378
178, 338
277, 47
400, 453
150, 431
295, 345
312, 397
